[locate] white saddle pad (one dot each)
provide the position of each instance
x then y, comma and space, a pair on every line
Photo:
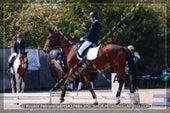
92, 53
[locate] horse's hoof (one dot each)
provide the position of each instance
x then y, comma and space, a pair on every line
96, 103
61, 101
117, 102
135, 103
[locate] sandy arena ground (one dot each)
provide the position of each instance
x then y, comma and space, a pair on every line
146, 97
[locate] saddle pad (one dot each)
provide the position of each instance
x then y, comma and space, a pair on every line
92, 53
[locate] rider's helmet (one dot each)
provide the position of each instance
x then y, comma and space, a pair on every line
19, 35
94, 14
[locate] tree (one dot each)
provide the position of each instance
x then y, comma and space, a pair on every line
122, 24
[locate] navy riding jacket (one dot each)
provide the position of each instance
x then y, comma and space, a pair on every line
18, 46
93, 35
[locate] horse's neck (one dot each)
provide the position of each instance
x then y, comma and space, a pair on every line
16, 62
67, 44
67, 49
17, 59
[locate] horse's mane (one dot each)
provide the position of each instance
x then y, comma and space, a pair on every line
24, 53
68, 36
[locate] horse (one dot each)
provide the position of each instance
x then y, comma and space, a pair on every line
108, 55
58, 72
55, 69
17, 72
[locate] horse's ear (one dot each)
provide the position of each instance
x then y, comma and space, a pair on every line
50, 30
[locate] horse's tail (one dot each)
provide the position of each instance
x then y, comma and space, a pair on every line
130, 70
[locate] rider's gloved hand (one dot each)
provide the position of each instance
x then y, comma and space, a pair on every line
81, 38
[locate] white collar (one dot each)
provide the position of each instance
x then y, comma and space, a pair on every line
19, 41
95, 21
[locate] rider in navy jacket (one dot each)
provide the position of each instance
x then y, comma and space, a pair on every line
19, 46
92, 37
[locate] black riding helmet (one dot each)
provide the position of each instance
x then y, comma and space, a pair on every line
19, 35
94, 14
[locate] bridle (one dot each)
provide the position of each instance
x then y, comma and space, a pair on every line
50, 40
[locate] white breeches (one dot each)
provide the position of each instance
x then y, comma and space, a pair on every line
12, 55
84, 46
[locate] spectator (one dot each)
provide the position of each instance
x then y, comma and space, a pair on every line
135, 54
166, 73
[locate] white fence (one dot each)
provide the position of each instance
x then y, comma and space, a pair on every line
166, 98
25, 98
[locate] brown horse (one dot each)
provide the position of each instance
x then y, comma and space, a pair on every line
109, 55
18, 70
57, 71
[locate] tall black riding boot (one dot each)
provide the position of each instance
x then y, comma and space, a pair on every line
85, 64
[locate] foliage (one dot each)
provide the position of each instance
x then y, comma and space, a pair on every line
123, 24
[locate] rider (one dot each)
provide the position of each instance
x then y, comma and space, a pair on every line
19, 45
91, 38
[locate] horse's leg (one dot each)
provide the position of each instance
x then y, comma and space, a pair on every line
119, 90
90, 88
23, 83
12, 82
122, 78
23, 86
89, 78
68, 80
17, 82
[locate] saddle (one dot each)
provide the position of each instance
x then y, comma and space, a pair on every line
91, 52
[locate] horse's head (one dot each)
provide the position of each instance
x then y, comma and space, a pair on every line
57, 38
51, 41
23, 59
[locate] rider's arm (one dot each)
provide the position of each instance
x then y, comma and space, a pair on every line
91, 31
15, 48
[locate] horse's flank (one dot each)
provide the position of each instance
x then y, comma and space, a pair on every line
56, 70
